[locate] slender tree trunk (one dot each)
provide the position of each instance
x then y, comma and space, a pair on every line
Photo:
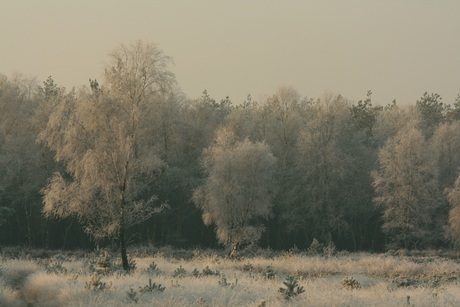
234, 250
122, 241
29, 228
121, 235
66, 234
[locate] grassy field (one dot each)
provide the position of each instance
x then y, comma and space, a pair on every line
206, 278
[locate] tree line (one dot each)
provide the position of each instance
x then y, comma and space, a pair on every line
135, 161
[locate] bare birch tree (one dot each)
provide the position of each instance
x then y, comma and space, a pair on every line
103, 138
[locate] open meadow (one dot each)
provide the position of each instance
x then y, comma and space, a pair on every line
167, 277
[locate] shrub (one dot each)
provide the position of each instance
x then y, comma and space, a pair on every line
132, 295
350, 283
315, 248
330, 249
131, 264
209, 272
95, 283
102, 265
153, 268
196, 273
292, 288
55, 265
152, 288
403, 282
42, 289
179, 272
269, 273
247, 267
224, 283
16, 272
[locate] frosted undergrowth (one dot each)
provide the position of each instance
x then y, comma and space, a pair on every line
209, 280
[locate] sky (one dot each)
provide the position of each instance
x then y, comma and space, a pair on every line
398, 49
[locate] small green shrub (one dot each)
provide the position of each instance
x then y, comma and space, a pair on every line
103, 265
292, 288
179, 272
209, 272
315, 248
95, 283
404, 282
196, 273
350, 283
132, 264
269, 273
132, 295
152, 288
153, 268
205, 272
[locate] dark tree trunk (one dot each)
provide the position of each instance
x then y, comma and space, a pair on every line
121, 235
66, 234
29, 228
234, 250
122, 241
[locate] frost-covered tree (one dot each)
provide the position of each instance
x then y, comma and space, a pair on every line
325, 164
285, 112
393, 119
407, 189
22, 164
446, 145
453, 227
446, 141
364, 115
238, 189
432, 112
103, 136
279, 121
453, 112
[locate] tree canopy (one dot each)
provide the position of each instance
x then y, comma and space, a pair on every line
281, 171
102, 137
238, 188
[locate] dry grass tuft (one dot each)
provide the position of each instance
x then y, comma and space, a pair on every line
9, 297
15, 272
43, 289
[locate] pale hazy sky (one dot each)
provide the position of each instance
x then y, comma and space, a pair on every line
396, 48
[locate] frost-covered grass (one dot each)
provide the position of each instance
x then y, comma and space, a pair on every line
207, 279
